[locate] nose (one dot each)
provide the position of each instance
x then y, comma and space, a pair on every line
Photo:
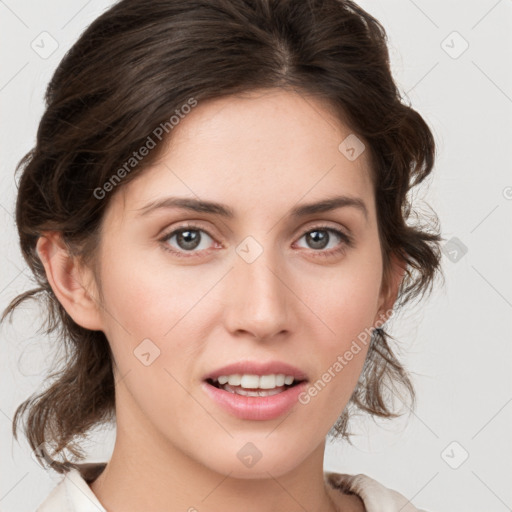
260, 301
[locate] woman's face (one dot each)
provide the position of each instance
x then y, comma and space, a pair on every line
261, 285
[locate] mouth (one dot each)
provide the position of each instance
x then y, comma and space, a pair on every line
255, 396
255, 390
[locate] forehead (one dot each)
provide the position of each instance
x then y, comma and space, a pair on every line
263, 149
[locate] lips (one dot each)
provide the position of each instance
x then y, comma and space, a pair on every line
255, 408
253, 390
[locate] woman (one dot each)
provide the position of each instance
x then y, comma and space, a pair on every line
215, 212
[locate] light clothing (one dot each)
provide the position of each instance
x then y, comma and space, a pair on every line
73, 494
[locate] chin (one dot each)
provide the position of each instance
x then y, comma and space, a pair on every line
254, 457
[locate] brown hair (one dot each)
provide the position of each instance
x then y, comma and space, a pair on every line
134, 67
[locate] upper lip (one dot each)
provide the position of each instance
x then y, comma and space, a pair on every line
257, 368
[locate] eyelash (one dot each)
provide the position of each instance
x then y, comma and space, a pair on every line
347, 240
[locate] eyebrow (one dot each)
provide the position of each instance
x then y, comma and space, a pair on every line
203, 206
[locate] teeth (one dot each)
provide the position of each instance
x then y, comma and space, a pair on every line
234, 380
248, 381
266, 382
223, 379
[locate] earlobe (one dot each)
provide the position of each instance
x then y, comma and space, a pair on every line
71, 282
390, 288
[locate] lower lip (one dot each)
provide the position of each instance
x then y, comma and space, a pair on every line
253, 407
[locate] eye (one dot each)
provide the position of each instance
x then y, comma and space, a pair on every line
188, 239
192, 239
320, 237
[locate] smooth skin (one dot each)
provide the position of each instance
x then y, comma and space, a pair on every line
204, 306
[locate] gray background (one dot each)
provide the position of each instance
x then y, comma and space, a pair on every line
457, 344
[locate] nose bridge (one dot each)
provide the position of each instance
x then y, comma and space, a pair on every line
260, 301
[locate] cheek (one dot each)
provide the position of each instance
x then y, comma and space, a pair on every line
146, 298
347, 299
151, 314
149, 318
346, 302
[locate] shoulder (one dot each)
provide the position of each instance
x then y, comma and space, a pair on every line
375, 496
72, 493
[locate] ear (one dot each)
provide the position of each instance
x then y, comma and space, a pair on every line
389, 289
72, 283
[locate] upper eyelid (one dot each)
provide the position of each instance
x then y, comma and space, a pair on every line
197, 225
